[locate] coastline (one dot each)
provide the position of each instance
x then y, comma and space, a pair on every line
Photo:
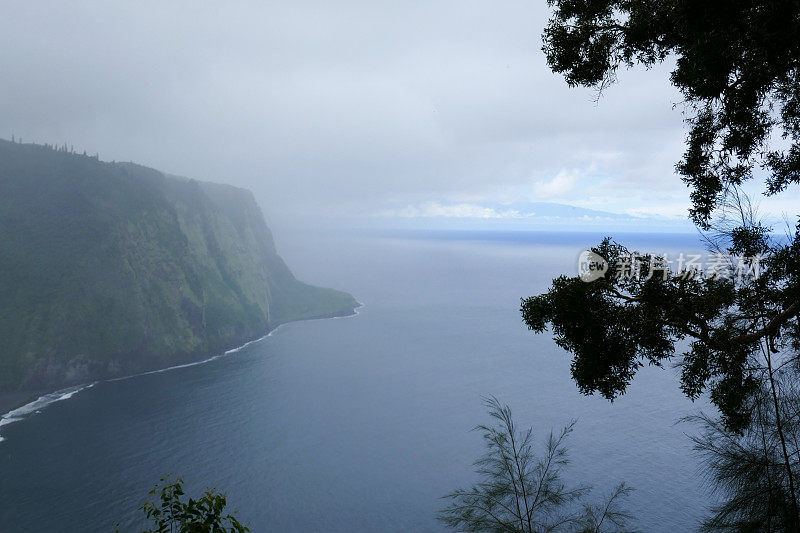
10, 401
18, 400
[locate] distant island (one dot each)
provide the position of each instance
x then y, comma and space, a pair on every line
110, 269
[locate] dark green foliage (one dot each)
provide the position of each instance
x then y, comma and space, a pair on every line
132, 269
737, 65
520, 492
614, 326
747, 470
171, 514
586, 321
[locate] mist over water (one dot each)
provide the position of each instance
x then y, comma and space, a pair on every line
362, 423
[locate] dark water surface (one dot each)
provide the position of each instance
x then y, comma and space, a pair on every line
361, 423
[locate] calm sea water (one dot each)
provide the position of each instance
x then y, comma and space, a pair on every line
361, 423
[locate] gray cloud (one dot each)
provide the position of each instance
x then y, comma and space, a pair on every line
338, 106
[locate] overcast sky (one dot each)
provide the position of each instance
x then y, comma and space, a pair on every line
341, 107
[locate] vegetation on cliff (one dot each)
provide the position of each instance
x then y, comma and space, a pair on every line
113, 268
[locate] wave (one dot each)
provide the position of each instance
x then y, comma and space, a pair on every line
234, 350
21, 413
195, 363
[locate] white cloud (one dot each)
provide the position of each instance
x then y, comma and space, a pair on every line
559, 186
669, 210
463, 210
329, 108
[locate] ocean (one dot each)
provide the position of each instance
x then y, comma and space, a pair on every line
360, 423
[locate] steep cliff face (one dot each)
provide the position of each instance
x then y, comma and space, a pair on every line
112, 268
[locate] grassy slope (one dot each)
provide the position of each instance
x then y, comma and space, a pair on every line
127, 266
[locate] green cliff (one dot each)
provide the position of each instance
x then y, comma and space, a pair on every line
108, 269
